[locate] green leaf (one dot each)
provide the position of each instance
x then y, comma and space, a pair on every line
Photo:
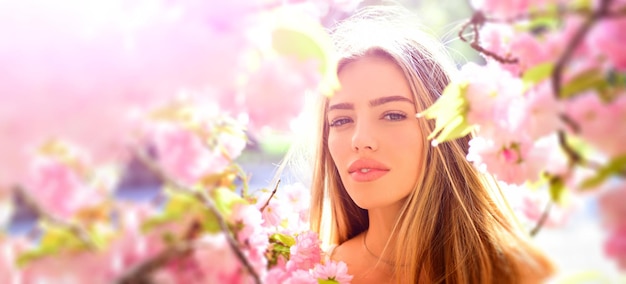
327, 281
305, 38
544, 18
178, 205
288, 41
100, 234
285, 250
53, 241
210, 223
589, 79
276, 144
449, 111
557, 189
225, 199
538, 73
580, 5
284, 239
456, 128
615, 166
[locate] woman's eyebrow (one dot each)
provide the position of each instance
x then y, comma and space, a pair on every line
341, 106
384, 100
373, 103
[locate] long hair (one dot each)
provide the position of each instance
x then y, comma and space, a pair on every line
454, 226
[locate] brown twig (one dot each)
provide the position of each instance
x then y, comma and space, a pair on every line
477, 20
75, 229
580, 34
139, 273
271, 195
208, 202
542, 220
574, 157
557, 74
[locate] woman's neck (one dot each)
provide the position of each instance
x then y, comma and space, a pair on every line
379, 234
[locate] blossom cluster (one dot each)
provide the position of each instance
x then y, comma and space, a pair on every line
548, 106
207, 228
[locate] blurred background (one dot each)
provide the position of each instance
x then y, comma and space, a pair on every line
575, 244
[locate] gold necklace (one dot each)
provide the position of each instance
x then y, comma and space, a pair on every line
371, 253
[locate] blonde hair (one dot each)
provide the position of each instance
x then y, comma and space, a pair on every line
454, 227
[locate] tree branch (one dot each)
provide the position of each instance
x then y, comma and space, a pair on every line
271, 195
208, 202
580, 34
477, 20
139, 273
75, 229
542, 219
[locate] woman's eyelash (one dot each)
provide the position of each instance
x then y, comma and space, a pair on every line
394, 116
339, 122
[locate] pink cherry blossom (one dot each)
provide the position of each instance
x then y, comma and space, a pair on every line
615, 246
529, 50
278, 273
612, 204
306, 252
607, 39
68, 267
533, 207
596, 119
132, 245
332, 270
61, 189
218, 262
275, 211
301, 277
532, 50
249, 218
253, 237
511, 8
514, 162
496, 38
542, 111
256, 247
10, 248
275, 92
489, 93
298, 199
232, 142
125, 250
183, 154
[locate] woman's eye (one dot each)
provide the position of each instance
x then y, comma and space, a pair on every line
394, 116
339, 122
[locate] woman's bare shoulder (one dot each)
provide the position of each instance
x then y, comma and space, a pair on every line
360, 264
346, 251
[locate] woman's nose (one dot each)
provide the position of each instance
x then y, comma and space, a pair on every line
364, 137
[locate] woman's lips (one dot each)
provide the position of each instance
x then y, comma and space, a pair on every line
371, 175
366, 170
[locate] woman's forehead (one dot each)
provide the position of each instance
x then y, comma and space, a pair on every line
371, 77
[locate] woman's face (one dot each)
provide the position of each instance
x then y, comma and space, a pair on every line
374, 138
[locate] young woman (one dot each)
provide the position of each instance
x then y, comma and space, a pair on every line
400, 210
